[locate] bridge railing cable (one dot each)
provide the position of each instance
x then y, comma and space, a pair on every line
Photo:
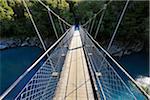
114, 79
103, 62
94, 56
45, 75
40, 77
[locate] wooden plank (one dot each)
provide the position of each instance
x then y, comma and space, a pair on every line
74, 82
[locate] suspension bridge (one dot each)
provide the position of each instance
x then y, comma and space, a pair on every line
75, 67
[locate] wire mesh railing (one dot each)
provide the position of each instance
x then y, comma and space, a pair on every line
112, 81
39, 81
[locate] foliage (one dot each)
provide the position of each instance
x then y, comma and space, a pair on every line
15, 20
134, 24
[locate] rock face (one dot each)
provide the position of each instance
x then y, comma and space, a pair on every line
17, 42
7, 43
119, 49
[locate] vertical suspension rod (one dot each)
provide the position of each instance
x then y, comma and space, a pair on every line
35, 27
55, 31
89, 25
51, 19
100, 21
64, 26
60, 24
93, 24
113, 36
53, 13
97, 13
116, 29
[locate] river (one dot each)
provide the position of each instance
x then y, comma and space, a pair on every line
14, 61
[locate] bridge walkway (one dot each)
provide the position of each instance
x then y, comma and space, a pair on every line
74, 81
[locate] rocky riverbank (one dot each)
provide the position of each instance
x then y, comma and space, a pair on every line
6, 43
118, 49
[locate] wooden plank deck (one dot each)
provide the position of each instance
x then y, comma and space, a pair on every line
75, 82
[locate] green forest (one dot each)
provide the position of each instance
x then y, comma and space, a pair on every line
15, 20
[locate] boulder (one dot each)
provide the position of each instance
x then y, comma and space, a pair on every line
24, 44
3, 46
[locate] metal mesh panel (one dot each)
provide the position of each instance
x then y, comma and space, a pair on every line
43, 84
114, 86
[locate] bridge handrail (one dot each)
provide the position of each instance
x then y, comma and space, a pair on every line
33, 65
118, 65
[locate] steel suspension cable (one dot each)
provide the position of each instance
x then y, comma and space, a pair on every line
61, 27
100, 21
120, 19
92, 18
92, 24
64, 26
35, 27
51, 19
55, 31
54, 13
89, 24
113, 36
96, 14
